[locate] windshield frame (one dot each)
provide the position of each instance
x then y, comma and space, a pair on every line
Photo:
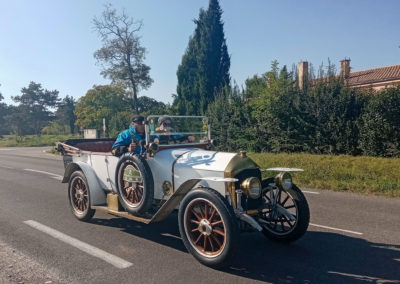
147, 128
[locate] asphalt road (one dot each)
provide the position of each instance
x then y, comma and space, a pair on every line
352, 239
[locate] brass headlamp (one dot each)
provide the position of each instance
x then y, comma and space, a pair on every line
284, 180
252, 187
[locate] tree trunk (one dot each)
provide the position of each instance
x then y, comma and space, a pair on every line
135, 104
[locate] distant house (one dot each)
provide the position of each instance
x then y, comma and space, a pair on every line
377, 78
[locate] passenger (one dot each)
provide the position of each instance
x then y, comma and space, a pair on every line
129, 139
165, 127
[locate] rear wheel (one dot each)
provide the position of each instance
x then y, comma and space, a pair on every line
208, 227
79, 196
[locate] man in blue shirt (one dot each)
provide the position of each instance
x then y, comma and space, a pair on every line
129, 139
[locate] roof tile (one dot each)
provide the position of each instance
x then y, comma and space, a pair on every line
370, 76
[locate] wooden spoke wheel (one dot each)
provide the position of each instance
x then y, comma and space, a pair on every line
132, 191
79, 196
135, 183
205, 227
208, 227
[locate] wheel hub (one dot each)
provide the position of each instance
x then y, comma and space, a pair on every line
79, 194
205, 227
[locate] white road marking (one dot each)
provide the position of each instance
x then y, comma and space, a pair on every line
43, 172
6, 167
364, 278
312, 192
89, 249
6, 149
171, 236
58, 178
336, 229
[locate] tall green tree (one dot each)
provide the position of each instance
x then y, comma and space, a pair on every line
4, 111
122, 55
36, 105
204, 70
65, 113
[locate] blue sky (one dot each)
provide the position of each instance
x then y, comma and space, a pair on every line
52, 42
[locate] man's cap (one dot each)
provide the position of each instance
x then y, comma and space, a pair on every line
163, 119
137, 119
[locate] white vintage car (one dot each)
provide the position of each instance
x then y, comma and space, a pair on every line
218, 194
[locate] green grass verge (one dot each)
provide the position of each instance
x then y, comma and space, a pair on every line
33, 140
370, 175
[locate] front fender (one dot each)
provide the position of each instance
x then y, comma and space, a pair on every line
97, 194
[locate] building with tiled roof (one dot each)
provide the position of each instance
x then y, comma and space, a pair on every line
377, 78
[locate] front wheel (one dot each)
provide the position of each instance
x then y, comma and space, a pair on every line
286, 214
208, 227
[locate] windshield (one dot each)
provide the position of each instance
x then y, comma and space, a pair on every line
165, 129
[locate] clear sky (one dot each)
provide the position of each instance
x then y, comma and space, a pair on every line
52, 42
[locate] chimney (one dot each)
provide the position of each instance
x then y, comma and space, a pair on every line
302, 73
345, 68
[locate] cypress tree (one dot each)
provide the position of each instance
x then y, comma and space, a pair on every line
204, 70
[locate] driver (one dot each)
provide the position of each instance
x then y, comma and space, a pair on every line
165, 126
128, 140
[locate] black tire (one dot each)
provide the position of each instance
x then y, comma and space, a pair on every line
277, 226
195, 223
135, 197
79, 196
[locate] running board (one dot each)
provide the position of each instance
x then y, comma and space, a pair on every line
114, 208
121, 214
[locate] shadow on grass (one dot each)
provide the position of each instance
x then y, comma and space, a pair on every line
319, 257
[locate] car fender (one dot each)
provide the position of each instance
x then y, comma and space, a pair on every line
180, 193
97, 194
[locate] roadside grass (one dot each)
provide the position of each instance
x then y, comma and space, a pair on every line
369, 175
33, 140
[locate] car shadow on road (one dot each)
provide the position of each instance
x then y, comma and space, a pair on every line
319, 257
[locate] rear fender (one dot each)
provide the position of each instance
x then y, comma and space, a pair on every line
97, 194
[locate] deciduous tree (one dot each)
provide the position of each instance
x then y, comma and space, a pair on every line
122, 55
98, 103
36, 104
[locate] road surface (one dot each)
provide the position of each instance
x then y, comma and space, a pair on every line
351, 239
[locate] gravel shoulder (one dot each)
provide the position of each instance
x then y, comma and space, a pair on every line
16, 267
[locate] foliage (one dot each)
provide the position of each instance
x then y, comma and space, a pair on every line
65, 114
98, 103
122, 55
231, 121
33, 140
56, 127
118, 122
337, 172
335, 110
380, 124
34, 109
204, 70
148, 106
4, 112
321, 118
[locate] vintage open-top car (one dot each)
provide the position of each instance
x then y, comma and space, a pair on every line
218, 194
